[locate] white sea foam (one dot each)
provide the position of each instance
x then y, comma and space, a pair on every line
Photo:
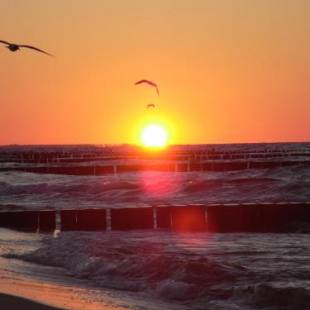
200, 270
56, 191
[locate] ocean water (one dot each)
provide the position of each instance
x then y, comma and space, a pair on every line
185, 271
179, 271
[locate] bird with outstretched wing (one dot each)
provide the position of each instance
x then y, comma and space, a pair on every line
13, 47
148, 82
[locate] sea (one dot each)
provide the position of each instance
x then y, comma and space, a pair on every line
165, 269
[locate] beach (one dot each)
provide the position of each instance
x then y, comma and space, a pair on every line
142, 270
23, 288
25, 283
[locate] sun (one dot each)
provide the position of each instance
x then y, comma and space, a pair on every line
154, 135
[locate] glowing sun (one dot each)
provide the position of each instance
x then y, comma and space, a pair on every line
154, 135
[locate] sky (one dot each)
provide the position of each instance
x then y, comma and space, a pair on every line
229, 71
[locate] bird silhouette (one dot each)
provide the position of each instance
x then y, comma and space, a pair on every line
149, 83
150, 105
13, 47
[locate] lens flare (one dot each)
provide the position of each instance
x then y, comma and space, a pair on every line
154, 135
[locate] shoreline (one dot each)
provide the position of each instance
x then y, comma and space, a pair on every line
23, 291
24, 284
19, 291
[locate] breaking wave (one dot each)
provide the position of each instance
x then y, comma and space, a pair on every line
135, 264
203, 271
274, 184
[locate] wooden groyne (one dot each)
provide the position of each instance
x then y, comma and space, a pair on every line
36, 157
283, 217
102, 161
97, 170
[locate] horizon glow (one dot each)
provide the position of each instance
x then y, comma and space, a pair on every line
228, 71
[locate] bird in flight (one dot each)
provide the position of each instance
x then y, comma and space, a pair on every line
150, 105
15, 47
149, 83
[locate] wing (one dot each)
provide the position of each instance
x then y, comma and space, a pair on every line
36, 49
149, 83
4, 42
157, 90
141, 81
146, 82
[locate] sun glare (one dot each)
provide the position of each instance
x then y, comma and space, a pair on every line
154, 136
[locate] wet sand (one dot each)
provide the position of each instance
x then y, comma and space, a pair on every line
28, 291
55, 287
38, 295
22, 291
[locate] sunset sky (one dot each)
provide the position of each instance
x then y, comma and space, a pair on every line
228, 70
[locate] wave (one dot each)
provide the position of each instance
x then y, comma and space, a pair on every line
46, 188
202, 271
274, 296
134, 265
253, 185
195, 186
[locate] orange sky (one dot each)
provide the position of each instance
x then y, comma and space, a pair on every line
229, 71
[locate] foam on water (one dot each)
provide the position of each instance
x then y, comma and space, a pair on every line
57, 191
199, 270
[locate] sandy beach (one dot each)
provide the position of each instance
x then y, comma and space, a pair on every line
27, 293
28, 286
24, 285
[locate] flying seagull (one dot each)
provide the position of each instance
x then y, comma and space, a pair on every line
150, 105
149, 83
15, 47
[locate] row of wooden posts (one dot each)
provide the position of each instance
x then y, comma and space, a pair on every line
257, 217
48, 157
168, 167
